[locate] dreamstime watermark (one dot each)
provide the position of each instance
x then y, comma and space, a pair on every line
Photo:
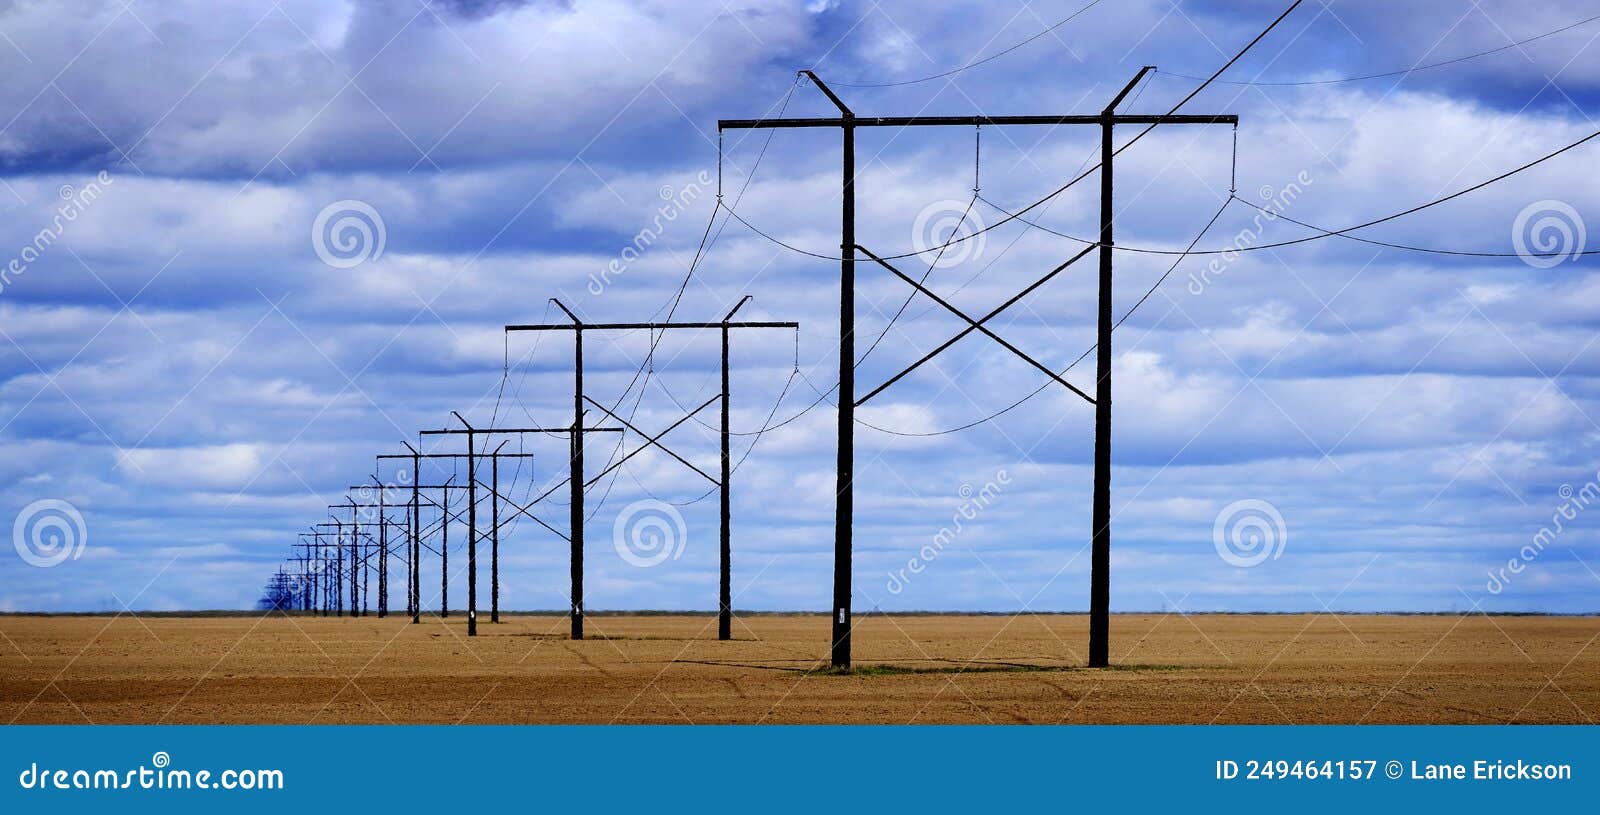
674, 202
49, 532
157, 775
649, 533
1548, 233
393, 492
1573, 503
1249, 532
941, 222
348, 233
973, 502
74, 201
1277, 202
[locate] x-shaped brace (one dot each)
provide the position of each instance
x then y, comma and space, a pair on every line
653, 440
976, 325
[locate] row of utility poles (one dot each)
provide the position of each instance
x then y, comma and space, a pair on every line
335, 560
578, 480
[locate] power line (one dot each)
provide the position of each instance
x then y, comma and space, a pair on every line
1342, 233
1064, 187
1460, 253
1403, 72
1191, 251
707, 240
1063, 372
953, 71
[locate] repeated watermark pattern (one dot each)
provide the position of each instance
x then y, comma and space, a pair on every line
49, 532
649, 532
674, 202
973, 503
1573, 503
1249, 532
1277, 201
1548, 233
394, 492
348, 233
74, 202
941, 222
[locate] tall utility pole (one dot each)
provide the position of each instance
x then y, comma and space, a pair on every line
577, 327
383, 549
325, 575
415, 549
355, 561
494, 532
724, 545
444, 552
338, 565
308, 572
1100, 543
848, 123
472, 529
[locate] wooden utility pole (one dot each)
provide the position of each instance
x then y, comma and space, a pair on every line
579, 484
471, 433
1100, 534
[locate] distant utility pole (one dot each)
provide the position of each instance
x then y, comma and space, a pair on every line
414, 558
522, 510
324, 581
1100, 553
472, 502
355, 561
360, 549
383, 558
577, 327
338, 566
414, 533
416, 541
494, 550
310, 571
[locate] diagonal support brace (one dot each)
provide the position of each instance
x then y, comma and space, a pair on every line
653, 440
981, 320
976, 325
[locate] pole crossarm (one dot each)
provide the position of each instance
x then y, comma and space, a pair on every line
651, 326
981, 320
975, 324
973, 121
408, 486
654, 440
491, 431
464, 455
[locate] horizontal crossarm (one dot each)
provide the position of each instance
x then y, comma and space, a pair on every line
974, 121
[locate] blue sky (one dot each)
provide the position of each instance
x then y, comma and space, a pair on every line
180, 366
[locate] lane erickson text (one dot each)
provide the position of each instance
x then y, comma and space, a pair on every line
1367, 769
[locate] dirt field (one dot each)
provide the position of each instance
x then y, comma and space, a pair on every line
1203, 668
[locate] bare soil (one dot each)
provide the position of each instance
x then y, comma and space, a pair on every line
671, 669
